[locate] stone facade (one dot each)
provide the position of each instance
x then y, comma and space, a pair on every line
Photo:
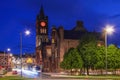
51, 52
5, 60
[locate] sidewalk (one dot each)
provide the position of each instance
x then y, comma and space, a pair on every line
9, 74
56, 74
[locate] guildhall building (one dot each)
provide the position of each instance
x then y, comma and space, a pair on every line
50, 51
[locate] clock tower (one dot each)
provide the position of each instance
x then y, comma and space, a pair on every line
41, 36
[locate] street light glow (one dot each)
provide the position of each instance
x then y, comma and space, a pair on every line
11, 54
109, 29
8, 49
27, 32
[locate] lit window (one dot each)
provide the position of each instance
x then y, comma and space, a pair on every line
53, 40
45, 30
29, 60
40, 30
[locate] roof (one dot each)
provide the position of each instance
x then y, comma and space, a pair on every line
70, 34
76, 32
79, 27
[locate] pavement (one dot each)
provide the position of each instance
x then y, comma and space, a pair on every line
43, 73
55, 74
9, 74
48, 76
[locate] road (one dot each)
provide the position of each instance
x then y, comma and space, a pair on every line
35, 76
31, 74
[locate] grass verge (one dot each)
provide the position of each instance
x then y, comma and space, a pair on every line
14, 78
112, 77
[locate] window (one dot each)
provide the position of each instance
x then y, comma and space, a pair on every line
40, 30
53, 41
45, 30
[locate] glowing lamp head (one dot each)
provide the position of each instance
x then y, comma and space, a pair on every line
8, 49
109, 29
27, 32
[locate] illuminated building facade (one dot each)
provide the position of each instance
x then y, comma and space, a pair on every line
50, 52
5, 60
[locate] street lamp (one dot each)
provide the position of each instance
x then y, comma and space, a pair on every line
108, 30
8, 53
27, 32
8, 50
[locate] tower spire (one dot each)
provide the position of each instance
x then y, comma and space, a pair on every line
42, 12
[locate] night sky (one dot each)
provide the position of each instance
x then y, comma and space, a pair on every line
18, 15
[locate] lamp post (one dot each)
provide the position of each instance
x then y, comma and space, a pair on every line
8, 50
106, 52
27, 32
108, 30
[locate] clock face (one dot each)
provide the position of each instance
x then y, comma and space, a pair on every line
43, 24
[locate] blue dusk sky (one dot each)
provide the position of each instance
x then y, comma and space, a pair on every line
16, 16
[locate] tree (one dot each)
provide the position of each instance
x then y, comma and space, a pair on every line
87, 47
113, 57
117, 58
100, 58
72, 60
77, 62
66, 63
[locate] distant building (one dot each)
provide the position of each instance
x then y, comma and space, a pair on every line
5, 59
50, 52
27, 60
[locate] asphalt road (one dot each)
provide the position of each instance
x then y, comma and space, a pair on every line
40, 76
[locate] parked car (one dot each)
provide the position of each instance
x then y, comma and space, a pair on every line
14, 72
1, 67
36, 68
